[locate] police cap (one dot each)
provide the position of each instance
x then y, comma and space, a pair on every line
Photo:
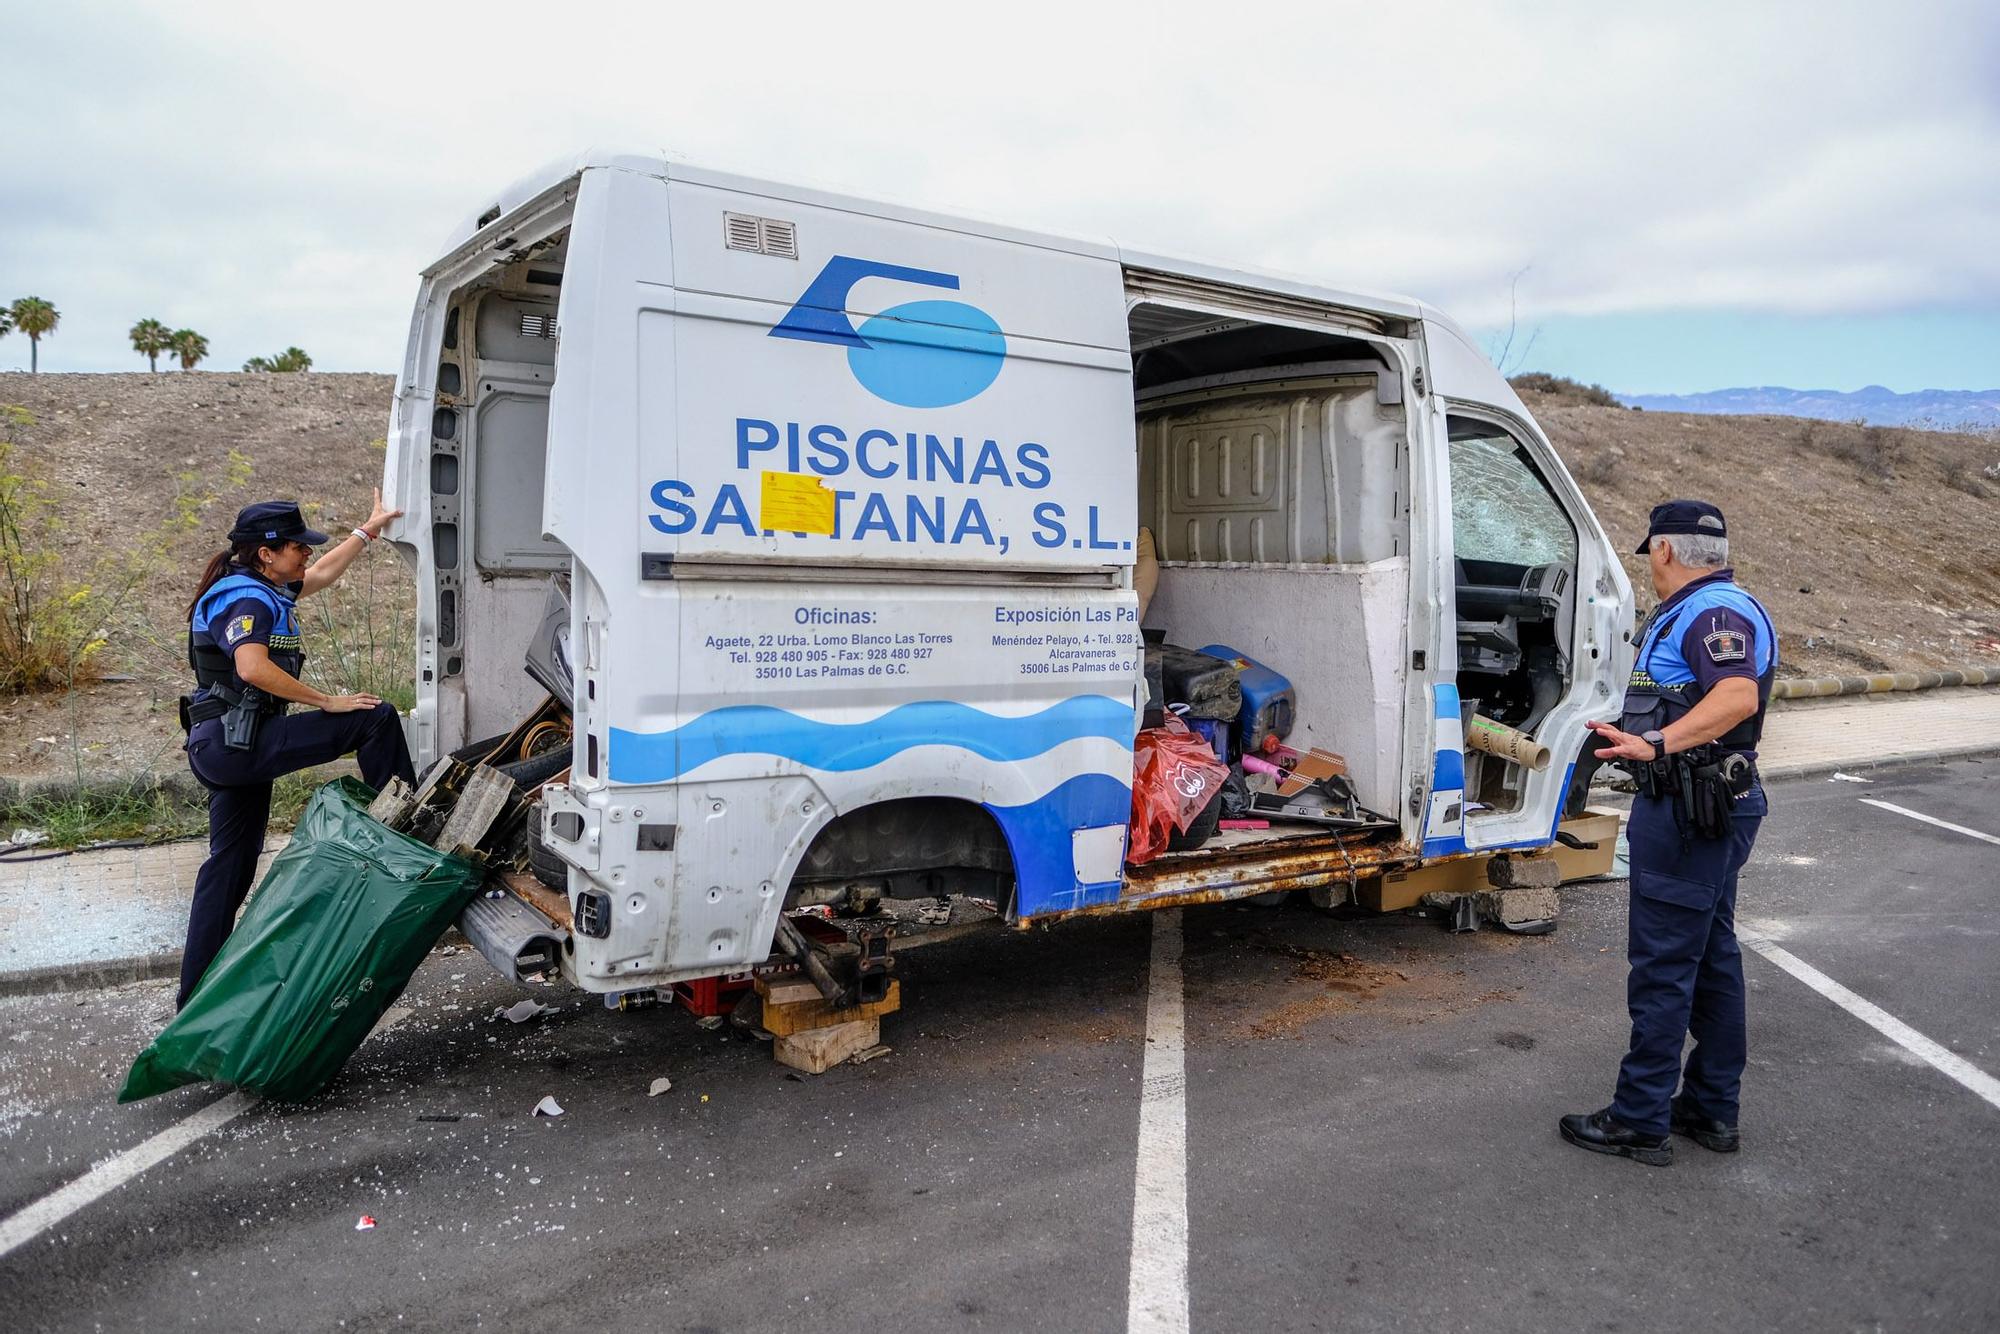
1684, 516
274, 521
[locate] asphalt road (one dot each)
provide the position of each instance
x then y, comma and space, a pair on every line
1370, 1122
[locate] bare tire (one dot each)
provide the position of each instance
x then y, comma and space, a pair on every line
546, 867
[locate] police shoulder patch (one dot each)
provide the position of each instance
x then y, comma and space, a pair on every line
239, 629
1725, 645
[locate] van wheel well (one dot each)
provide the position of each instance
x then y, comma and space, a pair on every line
915, 847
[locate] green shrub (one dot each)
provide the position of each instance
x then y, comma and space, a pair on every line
1565, 389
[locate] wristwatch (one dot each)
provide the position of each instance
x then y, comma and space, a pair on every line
1657, 741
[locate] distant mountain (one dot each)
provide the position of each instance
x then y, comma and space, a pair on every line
1938, 409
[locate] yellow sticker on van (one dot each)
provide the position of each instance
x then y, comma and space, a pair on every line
793, 503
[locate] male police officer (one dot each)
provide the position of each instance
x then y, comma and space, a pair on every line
1692, 719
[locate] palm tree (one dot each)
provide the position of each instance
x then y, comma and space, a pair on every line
6, 321
292, 359
149, 339
259, 364
34, 317
189, 346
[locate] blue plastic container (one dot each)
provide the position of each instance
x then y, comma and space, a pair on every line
1216, 732
1269, 705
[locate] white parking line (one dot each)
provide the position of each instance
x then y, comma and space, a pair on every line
1157, 1297
23, 1226
114, 1172
1931, 819
1888, 1025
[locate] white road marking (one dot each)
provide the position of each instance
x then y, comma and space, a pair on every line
1157, 1298
19, 1228
1931, 819
1888, 1025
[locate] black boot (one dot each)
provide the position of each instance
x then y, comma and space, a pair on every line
1600, 1132
1713, 1135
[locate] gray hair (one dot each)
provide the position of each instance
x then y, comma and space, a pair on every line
1697, 550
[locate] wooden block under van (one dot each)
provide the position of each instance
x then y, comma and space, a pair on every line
794, 1005
818, 1050
1397, 890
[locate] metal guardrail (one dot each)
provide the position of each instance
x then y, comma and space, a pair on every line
1877, 683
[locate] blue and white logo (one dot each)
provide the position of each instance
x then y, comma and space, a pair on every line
922, 354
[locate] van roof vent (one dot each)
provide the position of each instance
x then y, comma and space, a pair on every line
760, 236
537, 326
781, 239
740, 232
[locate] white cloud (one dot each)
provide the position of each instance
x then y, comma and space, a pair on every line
276, 176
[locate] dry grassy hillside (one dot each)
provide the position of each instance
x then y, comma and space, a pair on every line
1874, 548
116, 452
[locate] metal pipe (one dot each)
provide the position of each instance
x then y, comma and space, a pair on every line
808, 958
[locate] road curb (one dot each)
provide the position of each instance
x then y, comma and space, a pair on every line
1882, 683
1814, 768
91, 975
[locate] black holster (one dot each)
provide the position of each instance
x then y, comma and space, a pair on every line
245, 717
242, 712
1715, 779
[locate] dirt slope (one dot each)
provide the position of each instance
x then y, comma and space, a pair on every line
1873, 547
1866, 554
113, 449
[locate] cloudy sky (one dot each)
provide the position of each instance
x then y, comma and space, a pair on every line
1692, 196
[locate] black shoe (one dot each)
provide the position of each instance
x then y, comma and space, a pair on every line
1600, 1132
1713, 1135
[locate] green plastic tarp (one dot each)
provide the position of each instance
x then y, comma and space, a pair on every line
342, 919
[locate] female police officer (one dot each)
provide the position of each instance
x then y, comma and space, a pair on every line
243, 643
1692, 719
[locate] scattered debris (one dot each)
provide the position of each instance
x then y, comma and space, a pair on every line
471, 810
442, 1116
367, 1224
548, 1106
935, 913
863, 1057
659, 1086
520, 1012
709, 1022
1849, 778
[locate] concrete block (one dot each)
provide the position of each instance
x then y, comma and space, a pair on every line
1515, 906
1523, 873
817, 1050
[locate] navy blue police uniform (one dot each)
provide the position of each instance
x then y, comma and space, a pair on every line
239, 740
1686, 967
1693, 823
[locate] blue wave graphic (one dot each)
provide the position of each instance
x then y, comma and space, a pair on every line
759, 729
1038, 836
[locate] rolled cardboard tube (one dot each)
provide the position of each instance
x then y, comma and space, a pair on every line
1503, 742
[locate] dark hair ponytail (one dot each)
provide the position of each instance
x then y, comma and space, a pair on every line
242, 555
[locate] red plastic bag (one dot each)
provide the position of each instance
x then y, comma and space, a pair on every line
1174, 776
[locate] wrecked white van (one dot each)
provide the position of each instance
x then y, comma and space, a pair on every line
840, 501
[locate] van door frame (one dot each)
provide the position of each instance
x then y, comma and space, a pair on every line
436, 722
1428, 604
1600, 646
